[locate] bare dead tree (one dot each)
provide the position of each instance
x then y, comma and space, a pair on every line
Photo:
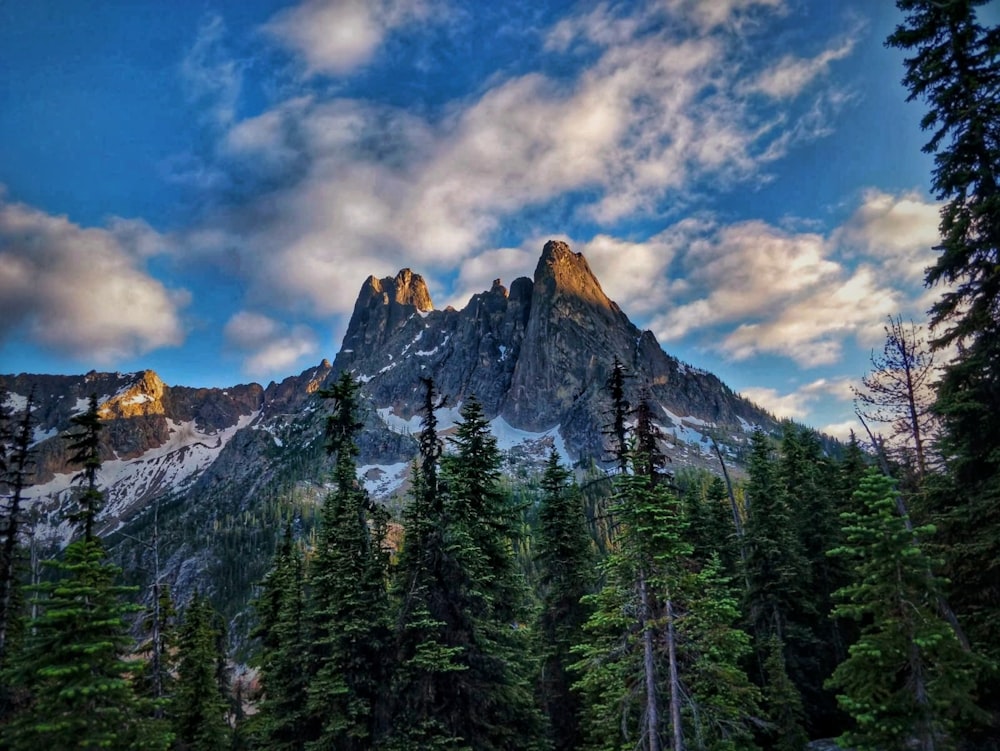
897, 393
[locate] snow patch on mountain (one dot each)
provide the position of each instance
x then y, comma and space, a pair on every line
17, 402
510, 438
447, 417
173, 466
684, 429
382, 480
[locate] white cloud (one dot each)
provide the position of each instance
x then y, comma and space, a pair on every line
708, 15
268, 346
351, 188
752, 288
83, 291
744, 270
796, 405
213, 80
900, 231
791, 75
336, 36
811, 330
842, 430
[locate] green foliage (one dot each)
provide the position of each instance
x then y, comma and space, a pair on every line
722, 701
779, 578
566, 559
782, 702
281, 720
348, 607
86, 452
16, 460
464, 669
907, 676
954, 66
72, 671
199, 706
660, 615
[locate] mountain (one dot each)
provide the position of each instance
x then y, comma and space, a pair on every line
225, 469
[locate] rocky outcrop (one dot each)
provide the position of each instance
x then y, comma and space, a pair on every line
383, 307
538, 355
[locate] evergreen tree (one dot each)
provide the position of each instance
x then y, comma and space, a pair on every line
782, 701
954, 66
281, 722
710, 520
464, 675
72, 669
86, 448
14, 468
349, 615
481, 523
199, 707
816, 645
721, 702
660, 662
427, 708
907, 679
778, 578
72, 666
567, 572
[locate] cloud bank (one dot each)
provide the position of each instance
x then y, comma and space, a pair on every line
84, 292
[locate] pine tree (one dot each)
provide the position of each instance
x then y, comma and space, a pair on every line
464, 677
907, 679
660, 662
14, 469
281, 722
778, 577
348, 607
427, 710
86, 448
72, 666
480, 526
782, 701
722, 704
567, 563
954, 66
815, 645
199, 707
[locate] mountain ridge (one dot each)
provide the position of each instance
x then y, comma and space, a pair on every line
536, 355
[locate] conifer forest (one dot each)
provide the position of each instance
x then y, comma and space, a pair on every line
821, 591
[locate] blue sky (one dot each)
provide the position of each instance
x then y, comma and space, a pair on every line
201, 187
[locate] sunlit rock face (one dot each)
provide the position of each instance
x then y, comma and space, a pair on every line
537, 355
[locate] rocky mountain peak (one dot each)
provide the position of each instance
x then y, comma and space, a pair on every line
383, 307
561, 271
406, 288
144, 396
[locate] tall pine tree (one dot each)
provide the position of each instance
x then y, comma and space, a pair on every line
199, 706
907, 680
72, 668
281, 722
954, 66
348, 606
566, 560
